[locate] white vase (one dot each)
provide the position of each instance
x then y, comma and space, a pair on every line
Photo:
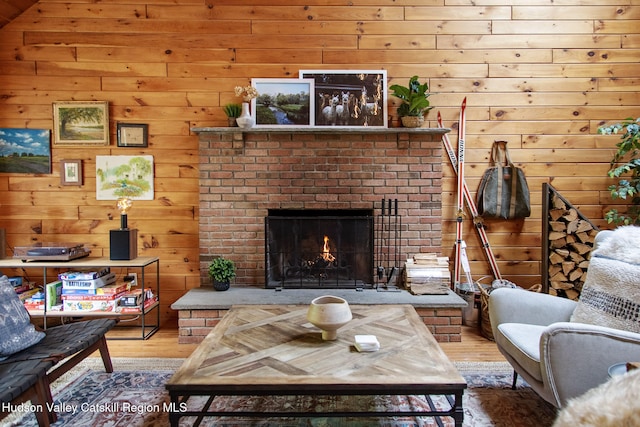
245, 120
329, 313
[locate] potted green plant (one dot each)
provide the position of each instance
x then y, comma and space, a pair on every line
232, 111
626, 161
415, 102
221, 271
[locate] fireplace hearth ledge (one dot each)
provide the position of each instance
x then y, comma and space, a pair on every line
206, 298
200, 310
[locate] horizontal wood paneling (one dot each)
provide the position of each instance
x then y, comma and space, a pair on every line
540, 75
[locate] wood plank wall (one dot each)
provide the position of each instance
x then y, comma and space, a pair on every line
540, 74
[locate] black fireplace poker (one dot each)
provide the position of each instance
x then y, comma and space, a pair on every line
390, 222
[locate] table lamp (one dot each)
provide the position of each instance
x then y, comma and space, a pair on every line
124, 241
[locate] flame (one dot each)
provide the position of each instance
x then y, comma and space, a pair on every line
326, 252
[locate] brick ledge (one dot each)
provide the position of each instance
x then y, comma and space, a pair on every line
200, 310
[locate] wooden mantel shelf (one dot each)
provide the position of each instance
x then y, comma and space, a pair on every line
323, 130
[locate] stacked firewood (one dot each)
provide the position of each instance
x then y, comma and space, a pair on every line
571, 238
427, 274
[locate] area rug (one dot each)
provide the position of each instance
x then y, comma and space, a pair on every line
134, 395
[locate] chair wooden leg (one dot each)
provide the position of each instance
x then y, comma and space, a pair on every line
515, 379
104, 353
44, 400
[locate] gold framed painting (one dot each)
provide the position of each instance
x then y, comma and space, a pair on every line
81, 123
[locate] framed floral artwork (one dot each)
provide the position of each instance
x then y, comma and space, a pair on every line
349, 98
81, 123
124, 176
283, 102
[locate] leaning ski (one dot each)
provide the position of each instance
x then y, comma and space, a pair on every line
477, 219
460, 207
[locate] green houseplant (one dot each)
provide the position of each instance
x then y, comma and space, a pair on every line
221, 271
232, 111
415, 101
625, 165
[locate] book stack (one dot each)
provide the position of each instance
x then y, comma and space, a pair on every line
45, 299
91, 291
24, 289
427, 274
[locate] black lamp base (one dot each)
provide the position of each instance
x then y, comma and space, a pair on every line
123, 244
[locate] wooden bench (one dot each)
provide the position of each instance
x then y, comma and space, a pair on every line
26, 375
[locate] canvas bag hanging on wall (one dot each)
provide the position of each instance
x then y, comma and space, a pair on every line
503, 191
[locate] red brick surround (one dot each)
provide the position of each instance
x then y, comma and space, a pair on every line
242, 176
444, 323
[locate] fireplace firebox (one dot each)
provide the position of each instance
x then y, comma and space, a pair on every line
328, 248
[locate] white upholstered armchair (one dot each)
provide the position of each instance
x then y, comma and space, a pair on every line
563, 348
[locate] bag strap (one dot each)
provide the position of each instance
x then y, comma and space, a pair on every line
500, 153
497, 161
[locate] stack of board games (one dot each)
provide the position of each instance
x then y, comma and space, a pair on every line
91, 291
136, 300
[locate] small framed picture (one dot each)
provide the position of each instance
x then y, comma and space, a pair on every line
71, 172
81, 123
133, 135
283, 102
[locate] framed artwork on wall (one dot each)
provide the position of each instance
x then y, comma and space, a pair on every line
133, 135
71, 172
283, 102
349, 98
25, 150
124, 176
81, 123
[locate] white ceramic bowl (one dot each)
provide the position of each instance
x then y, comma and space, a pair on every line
329, 313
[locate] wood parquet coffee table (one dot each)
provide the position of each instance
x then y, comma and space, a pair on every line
273, 350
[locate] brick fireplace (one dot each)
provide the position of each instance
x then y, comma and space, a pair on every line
319, 248
243, 176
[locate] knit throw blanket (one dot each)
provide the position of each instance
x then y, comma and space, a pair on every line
611, 293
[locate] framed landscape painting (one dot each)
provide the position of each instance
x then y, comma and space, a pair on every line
25, 150
81, 123
349, 98
283, 102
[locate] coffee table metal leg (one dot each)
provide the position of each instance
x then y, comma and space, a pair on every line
174, 412
458, 411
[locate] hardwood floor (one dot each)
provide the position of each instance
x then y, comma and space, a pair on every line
164, 343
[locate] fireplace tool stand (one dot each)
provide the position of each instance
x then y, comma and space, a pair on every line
388, 238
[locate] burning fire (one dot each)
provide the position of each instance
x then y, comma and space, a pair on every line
326, 252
